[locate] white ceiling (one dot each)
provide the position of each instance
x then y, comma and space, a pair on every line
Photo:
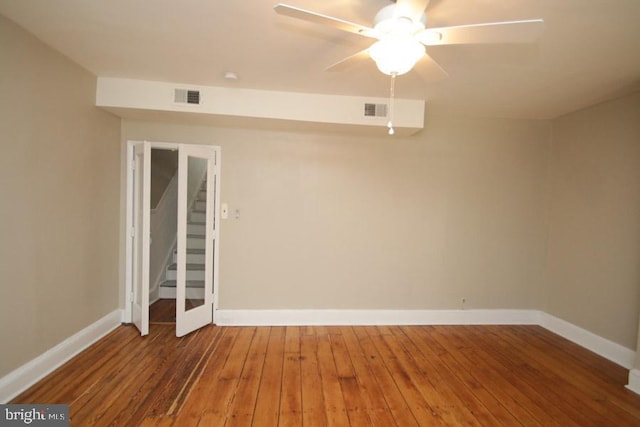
589, 52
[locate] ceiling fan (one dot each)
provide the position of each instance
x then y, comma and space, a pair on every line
401, 34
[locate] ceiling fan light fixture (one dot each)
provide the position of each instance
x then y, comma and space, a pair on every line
396, 55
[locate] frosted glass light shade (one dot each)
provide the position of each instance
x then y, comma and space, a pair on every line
396, 54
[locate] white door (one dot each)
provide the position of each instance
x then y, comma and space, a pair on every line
197, 200
141, 217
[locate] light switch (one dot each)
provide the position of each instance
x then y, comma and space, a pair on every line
225, 211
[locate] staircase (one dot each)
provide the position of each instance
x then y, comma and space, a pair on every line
196, 223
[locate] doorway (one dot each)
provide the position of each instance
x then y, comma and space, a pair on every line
179, 260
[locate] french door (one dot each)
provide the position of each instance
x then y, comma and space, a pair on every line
141, 239
197, 196
196, 239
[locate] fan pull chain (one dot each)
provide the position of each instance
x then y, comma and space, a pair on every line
392, 97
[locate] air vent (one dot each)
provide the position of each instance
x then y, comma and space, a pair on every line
184, 96
375, 110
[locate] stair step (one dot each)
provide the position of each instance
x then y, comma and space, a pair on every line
196, 228
194, 256
195, 241
193, 251
189, 274
193, 272
190, 284
197, 216
190, 267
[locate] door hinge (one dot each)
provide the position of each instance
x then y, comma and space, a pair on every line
131, 297
133, 232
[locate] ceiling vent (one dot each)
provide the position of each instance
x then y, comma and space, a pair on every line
375, 110
185, 96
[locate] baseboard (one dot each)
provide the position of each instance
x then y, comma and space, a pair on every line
28, 374
374, 317
634, 381
601, 346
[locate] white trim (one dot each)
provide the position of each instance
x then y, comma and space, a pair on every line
128, 275
28, 374
634, 381
374, 317
599, 345
216, 234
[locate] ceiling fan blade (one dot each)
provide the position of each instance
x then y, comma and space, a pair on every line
411, 8
349, 61
318, 18
495, 32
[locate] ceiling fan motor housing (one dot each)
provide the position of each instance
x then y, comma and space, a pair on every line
387, 21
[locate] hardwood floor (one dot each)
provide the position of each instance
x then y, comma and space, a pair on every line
164, 310
340, 376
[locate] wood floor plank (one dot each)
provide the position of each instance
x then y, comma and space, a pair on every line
198, 400
313, 412
392, 394
508, 384
291, 395
422, 410
243, 404
268, 399
476, 378
503, 368
591, 386
351, 391
459, 377
375, 404
218, 383
177, 365
340, 375
446, 382
134, 372
335, 408
88, 365
558, 396
440, 407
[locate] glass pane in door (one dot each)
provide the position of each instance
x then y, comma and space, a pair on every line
196, 232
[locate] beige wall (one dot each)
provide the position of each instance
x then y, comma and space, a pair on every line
593, 260
330, 221
59, 181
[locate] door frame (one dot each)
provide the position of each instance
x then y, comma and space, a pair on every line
129, 222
